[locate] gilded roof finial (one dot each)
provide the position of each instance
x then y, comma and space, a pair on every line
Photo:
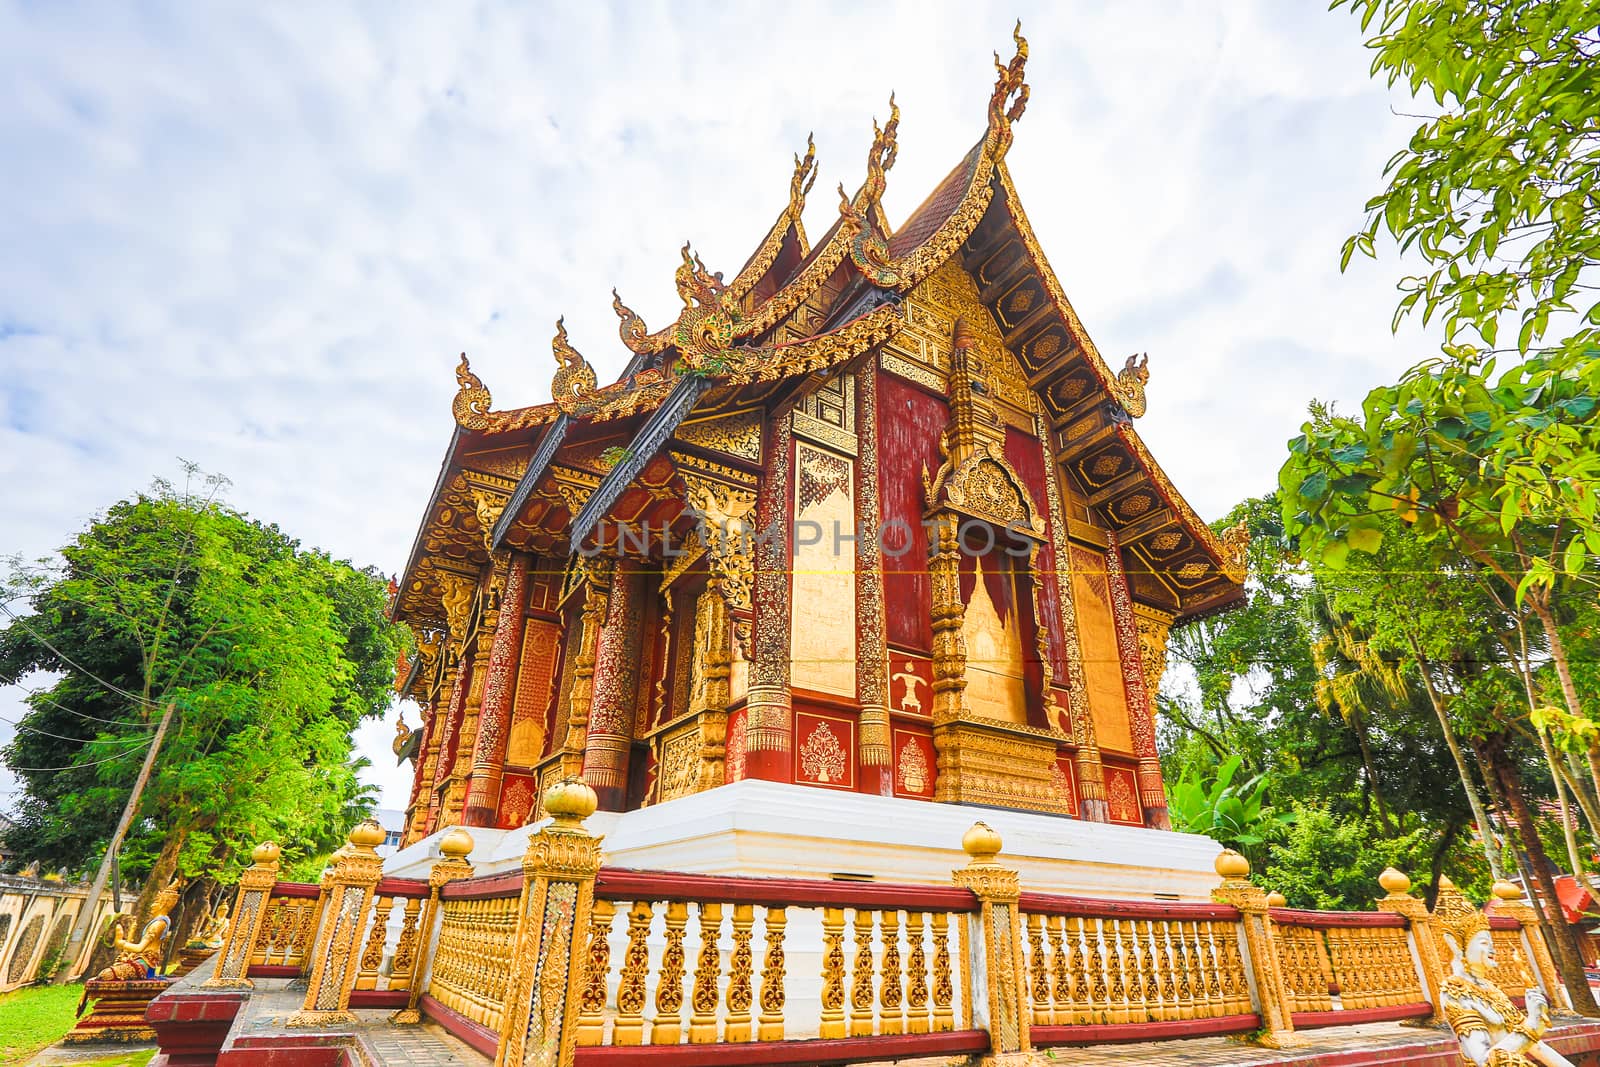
574, 379
805, 176
697, 286
880, 157
471, 404
1131, 380
634, 333
1008, 86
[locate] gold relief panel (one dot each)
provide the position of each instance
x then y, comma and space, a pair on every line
1122, 796
1065, 777
914, 762
1102, 467
1132, 507
1193, 573
1018, 302
993, 764
911, 371
823, 744
678, 766
1168, 541
736, 435
910, 684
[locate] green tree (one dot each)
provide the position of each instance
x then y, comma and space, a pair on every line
271, 654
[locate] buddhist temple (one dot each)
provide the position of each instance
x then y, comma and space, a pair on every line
870, 516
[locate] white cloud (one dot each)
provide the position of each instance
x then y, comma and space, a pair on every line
257, 236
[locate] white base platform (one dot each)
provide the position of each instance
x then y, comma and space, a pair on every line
767, 829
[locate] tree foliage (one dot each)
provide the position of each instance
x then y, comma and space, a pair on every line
270, 652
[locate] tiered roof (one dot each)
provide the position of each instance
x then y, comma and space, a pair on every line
539, 478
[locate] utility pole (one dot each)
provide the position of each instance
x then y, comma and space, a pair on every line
80, 925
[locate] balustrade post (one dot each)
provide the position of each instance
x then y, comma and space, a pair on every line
454, 847
333, 971
559, 868
1420, 932
1510, 902
249, 910
991, 945
1268, 993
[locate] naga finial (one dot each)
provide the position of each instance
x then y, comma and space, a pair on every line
634, 333
805, 176
574, 378
472, 400
1235, 541
1008, 87
881, 156
697, 286
1130, 383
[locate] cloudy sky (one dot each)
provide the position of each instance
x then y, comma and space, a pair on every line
255, 236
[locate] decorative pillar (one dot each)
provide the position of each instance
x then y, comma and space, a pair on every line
1141, 717
874, 752
1424, 941
417, 806
614, 686
558, 871
483, 642
333, 968
456, 681
452, 864
597, 572
1510, 902
494, 721
991, 942
1267, 989
949, 663
769, 725
249, 911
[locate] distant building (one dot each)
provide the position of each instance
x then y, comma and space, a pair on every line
393, 822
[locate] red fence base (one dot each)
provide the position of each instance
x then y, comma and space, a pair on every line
1311, 1020
791, 1053
1123, 1033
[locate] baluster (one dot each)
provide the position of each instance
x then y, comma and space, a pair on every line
1099, 998
916, 975
861, 977
372, 954
1038, 970
737, 1027
891, 1017
405, 949
1182, 964
629, 1027
1325, 968
1238, 983
1153, 1008
772, 996
667, 1027
1082, 990
703, 1003
832, 1024
943, 1014
1061, 977
1117, 991
1133, 970
591, 1024
1210, 968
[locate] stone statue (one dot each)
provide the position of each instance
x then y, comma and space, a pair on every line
1491, 1030
142, 958
211, 931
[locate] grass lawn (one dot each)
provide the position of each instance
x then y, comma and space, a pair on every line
32, 1018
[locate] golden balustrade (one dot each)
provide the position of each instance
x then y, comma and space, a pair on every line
569, 962
690, 944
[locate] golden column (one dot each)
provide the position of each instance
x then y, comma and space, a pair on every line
1260, 956
558, 870
454, 847
494, 722
597, 573
769, 724
872, 650
482, 639
333, 967
249, 911
991, 945
1141, 699
1510, 902
1424, 941
613, 688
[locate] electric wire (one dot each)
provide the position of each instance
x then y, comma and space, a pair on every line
22, 622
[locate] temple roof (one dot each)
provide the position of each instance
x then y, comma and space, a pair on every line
518, 478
